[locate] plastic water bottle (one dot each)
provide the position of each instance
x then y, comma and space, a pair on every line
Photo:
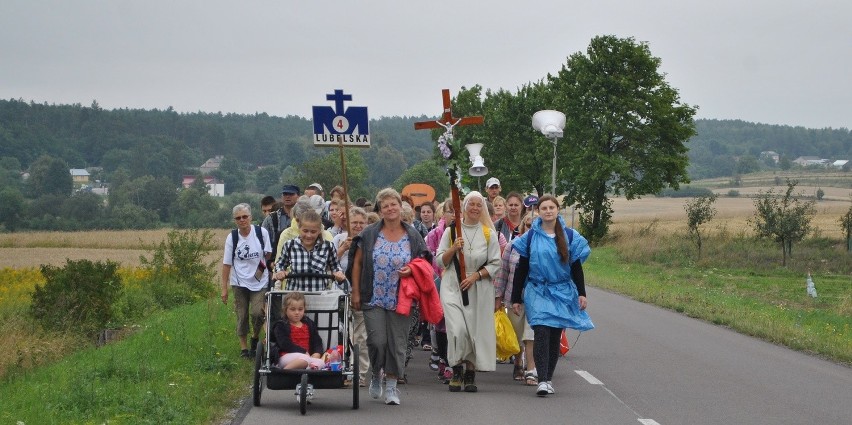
811, 289
334, 360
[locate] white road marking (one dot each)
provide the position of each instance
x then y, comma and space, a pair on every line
648, 422
588, 377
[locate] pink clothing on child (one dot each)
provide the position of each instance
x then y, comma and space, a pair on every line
313, 362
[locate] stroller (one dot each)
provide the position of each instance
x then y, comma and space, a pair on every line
330, 311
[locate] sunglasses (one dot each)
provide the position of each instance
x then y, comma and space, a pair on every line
241, 217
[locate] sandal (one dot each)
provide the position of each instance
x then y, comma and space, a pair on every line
518, 373
530, 378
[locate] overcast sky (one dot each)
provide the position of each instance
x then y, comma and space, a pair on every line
768, 61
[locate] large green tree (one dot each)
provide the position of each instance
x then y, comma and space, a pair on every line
326, 170
50, 176
626, 129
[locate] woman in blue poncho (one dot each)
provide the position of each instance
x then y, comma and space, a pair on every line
550, 277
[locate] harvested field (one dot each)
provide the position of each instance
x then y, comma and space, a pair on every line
20, 250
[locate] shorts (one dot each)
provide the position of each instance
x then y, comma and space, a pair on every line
249, 304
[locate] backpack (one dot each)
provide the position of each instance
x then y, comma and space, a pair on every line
235, 237
356, 242
566, 229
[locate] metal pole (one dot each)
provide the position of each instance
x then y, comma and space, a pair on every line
553, 173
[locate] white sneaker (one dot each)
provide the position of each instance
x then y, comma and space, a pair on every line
550, 387
392, 396
310, 393
542, 389
375, 387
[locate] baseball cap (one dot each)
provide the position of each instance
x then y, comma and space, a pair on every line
492, 181
290, 189
530, 201
316, 186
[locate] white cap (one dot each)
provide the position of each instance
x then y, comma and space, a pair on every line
316, 186
492, 181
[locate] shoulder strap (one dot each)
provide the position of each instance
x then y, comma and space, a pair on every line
259, 235
234, 239
275, 223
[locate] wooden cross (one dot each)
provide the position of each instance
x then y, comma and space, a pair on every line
448, 121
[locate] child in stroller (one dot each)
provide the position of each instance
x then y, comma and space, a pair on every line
299, 342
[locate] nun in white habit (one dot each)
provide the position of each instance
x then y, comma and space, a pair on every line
471, 338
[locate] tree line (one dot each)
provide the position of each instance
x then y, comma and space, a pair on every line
627, 133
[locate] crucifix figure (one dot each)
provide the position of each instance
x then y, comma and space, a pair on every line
448, 122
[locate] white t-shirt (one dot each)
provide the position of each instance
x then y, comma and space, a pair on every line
247, 257
336, 241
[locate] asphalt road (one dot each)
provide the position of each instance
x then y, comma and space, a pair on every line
641, 365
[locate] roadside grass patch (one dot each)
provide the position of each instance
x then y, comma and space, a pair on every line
770, 304
182, 366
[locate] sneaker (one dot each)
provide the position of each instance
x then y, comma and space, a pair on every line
542, 389
392, 396
446, 375
375, 387
310, 392
245, 354
550, 387
434, 363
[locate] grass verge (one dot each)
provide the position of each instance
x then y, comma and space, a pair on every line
182, 366
770, 304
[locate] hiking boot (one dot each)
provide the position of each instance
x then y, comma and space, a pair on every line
245, 354
470, 381
456, 379
253, 348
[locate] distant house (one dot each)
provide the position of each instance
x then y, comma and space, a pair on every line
840, 163
79, 176
214, 187
770, 155
805, 161
211, 164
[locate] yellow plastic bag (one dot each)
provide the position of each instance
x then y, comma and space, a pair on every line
507, 341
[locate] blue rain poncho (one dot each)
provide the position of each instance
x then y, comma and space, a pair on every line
550, 295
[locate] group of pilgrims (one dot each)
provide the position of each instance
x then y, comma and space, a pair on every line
400, 261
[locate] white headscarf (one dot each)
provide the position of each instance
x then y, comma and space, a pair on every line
484, 218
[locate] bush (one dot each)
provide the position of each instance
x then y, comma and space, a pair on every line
733, 193
686, 192
78, 297
178, 273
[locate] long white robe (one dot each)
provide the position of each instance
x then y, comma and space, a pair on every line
470, 329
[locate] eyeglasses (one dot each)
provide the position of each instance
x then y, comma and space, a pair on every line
241, 217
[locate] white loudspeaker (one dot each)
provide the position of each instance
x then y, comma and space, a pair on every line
478, 168
473, 149
548, 122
